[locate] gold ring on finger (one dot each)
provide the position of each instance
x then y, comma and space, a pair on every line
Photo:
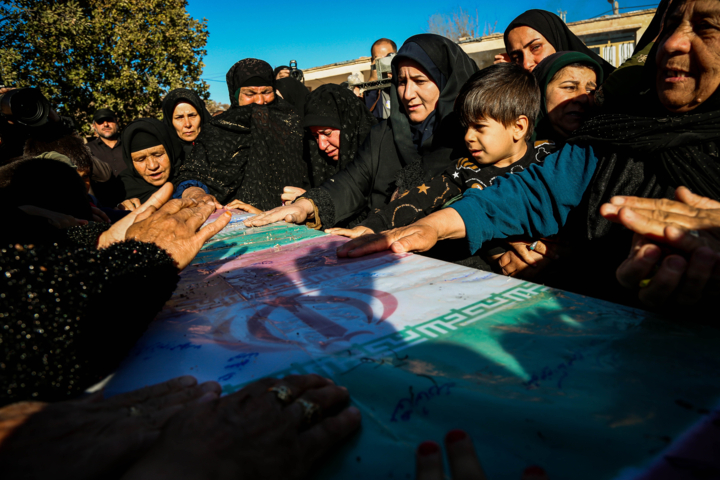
311, 411
283, 393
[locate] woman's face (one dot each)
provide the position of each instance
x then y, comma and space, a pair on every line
153, 165
527, 47
259, 95
688, 56
569, 98
328, 140
418, 93
186, 121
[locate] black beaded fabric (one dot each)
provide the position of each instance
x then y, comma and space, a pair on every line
69, 313
249, 153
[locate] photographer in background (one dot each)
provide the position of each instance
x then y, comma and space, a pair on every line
378, 101
21, 110
107, 147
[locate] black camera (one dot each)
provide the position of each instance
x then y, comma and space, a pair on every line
25, 106
296, 73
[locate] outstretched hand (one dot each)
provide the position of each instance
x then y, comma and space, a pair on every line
356, 232
245, 207
413, 238
139, 212
174, 228
690, 226
296, 213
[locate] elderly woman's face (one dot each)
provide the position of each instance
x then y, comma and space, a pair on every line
688, 56
153, 165
186, 121
527, 47
418, 93
569, 97
328, 140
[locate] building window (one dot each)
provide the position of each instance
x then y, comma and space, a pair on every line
614, 53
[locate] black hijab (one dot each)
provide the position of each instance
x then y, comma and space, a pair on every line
544, 72
148, 128
336, 107
249, 72
250, 152
293, 92
440, 137
557, 33
183, 95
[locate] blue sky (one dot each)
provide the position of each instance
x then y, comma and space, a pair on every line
319, 33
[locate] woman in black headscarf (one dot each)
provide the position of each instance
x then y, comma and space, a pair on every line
567, 82
332, 107
545, 34
153, 154
185, 112
251, 151
418, 141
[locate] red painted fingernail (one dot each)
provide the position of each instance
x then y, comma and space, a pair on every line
455, 436
428, 448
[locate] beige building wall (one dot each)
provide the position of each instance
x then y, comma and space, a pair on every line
612, 37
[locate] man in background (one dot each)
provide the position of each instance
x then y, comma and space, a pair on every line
107, 146
378, 101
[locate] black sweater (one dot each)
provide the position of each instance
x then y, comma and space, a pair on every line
69, 312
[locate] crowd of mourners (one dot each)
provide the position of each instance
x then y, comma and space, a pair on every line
550, 165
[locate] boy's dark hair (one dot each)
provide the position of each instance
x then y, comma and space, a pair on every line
501, 92
72, 146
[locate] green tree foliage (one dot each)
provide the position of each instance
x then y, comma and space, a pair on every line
90, 54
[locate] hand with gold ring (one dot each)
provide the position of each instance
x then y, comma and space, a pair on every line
255, 432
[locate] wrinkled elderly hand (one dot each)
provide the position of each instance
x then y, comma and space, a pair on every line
117, 232
358, 231
57, 220
691, 226
95, 437
253, 433
174, 228
245, 207
199, 195
290, 194
297, 213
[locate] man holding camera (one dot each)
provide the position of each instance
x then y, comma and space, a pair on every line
378, 101
107, 146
